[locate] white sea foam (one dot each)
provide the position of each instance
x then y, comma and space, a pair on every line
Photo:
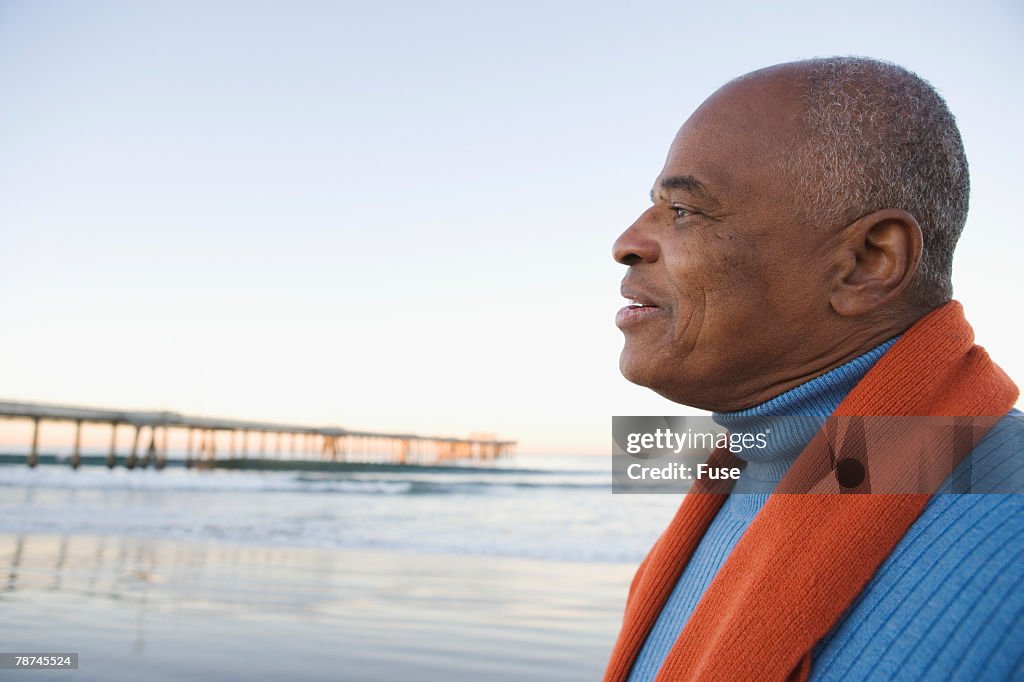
564, 515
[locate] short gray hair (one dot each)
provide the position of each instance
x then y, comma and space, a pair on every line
880, 136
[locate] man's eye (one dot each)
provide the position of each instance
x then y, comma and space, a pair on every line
682, 211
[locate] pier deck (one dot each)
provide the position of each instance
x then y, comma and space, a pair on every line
205, 436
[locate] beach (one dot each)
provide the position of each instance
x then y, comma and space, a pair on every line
500, 575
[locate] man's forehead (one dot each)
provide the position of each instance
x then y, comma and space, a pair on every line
765, 103
735, 136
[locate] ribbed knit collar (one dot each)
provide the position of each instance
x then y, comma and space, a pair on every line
791, 419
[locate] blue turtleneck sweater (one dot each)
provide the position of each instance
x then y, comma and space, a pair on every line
949, 600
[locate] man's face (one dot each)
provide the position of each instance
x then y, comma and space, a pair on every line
729, 291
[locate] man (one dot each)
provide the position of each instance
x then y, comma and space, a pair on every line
796, 260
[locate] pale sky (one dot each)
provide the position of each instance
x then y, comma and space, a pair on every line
399, 216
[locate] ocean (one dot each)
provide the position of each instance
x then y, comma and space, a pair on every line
506, 571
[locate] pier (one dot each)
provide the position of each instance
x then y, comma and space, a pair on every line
230, 443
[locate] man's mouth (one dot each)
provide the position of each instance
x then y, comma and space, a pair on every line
633, 303
638, 309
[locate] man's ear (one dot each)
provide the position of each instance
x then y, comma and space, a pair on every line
876, 256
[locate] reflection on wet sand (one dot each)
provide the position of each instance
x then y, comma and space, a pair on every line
134, 604
191, 575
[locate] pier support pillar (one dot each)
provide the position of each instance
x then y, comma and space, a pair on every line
150, 457
76, 454
188, 449
112, 455
33, 454
161, 455
133, 455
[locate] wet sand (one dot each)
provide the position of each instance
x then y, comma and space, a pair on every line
169, 610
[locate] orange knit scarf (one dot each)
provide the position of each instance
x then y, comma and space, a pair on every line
806, 557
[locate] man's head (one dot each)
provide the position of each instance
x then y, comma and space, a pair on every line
806, 212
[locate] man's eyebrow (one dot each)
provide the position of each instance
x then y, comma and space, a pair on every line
688, 183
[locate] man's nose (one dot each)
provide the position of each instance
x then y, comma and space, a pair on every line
635, 245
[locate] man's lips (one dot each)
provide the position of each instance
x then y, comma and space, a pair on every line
641, 307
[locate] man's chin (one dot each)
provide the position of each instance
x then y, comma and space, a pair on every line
638, 370
671, 385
